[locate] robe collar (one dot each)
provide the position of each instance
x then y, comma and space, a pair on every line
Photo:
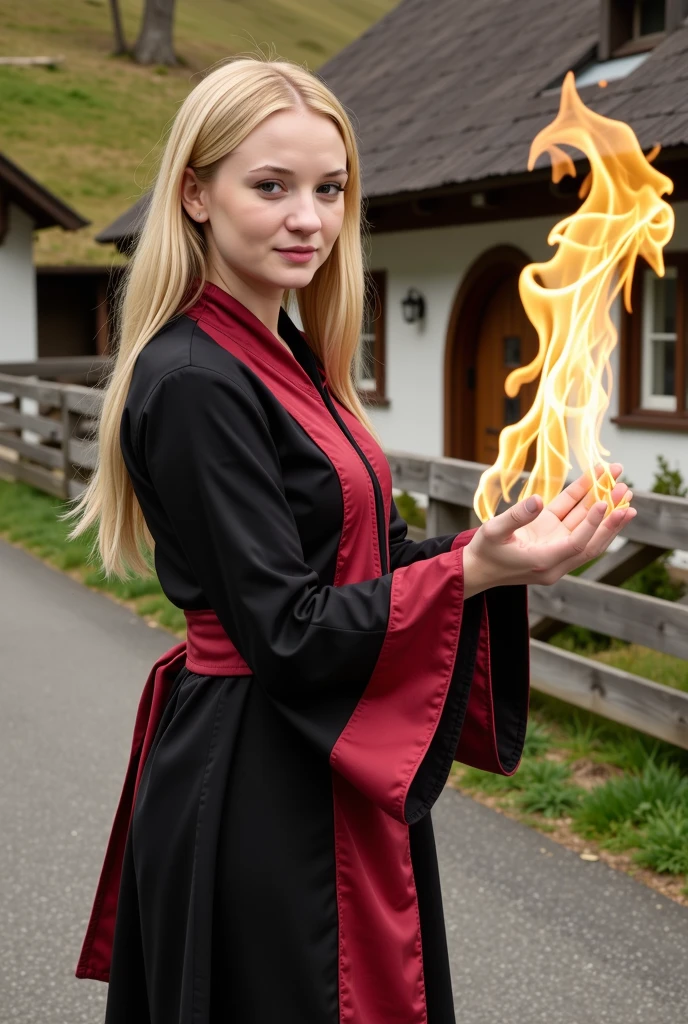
232, 317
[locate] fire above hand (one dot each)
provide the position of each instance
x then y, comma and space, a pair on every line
568, 301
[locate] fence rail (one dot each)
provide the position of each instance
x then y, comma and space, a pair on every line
592, 599
49, 446
46, 427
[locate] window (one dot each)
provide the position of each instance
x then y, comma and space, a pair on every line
658, 372
649, 16
653, 382
634, 26
371, 382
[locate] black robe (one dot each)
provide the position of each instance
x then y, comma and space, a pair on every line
276, 852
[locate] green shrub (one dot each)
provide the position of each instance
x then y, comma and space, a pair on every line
552, 801
545, 789
653, 580
664, 842
631, 751
410, 510
488, 782
538, 740
631, 799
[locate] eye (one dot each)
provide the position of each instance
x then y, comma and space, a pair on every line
266, 189
332, 184
263, 183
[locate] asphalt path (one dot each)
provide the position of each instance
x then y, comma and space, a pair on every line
535, 934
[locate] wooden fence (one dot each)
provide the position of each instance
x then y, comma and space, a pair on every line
58, 455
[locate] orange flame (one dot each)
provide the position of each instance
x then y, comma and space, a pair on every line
568, 301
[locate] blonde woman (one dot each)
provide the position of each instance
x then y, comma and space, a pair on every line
272, 856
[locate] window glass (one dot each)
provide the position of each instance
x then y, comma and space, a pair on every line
658, 378
367, 380
664, 303
512, 350
650, 16
512, 410
367, 377
663, 367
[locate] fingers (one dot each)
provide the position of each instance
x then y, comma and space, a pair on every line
572, 547
605, 533
577, 515
609, 529
504, 525
580, 489
582, 535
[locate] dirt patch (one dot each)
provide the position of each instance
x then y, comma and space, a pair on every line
588, 774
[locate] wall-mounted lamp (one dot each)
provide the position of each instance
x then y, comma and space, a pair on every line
413, 306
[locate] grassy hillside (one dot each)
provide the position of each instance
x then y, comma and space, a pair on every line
91, 130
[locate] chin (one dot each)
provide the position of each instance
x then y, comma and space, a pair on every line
295, 278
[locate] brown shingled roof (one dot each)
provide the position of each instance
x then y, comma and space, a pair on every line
126, 227
447, 92
45, 208
450, 91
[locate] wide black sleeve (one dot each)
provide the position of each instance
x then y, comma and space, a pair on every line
364, 670
403, 550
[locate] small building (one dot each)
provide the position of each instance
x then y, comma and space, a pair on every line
25, 206
446, 98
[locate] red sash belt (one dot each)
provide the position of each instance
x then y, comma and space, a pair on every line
207, 651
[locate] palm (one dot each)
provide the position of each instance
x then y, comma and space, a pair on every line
558, 519
547, 527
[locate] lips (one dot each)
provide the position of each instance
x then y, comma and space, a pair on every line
297, 255
298, 248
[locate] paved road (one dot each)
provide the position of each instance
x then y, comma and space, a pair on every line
534, 937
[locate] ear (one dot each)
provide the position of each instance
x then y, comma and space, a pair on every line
192, 196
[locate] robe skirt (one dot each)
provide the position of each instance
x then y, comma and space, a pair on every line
272, 855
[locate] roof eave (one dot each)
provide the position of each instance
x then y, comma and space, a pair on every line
42, 205
669, 155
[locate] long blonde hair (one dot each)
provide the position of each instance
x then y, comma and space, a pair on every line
171, 253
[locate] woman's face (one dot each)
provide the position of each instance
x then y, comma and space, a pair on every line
279, 189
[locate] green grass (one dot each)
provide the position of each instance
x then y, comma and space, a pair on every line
545, 789
585, 735
90, 130
644, 810
642, 661
664, 842
29, 517
631, 799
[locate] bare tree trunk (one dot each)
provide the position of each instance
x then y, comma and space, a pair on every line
154, 44
120, 41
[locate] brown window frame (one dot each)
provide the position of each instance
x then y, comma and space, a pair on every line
377, 395
631, 412
619, 27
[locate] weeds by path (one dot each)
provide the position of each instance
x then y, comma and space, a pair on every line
601, 789
28, 517
590, 784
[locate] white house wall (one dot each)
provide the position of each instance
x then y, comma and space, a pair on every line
435, 262
19, 334
638, 449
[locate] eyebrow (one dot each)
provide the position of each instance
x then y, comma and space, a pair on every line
286, 170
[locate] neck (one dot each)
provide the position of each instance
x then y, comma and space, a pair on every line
263, 304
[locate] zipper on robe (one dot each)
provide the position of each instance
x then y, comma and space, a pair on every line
379, 505
306, 358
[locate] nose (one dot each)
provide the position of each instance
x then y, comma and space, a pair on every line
303, 216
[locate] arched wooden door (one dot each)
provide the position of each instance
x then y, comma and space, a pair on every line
506, 339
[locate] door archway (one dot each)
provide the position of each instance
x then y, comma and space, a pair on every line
489, 335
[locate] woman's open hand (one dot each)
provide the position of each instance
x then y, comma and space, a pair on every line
540, 545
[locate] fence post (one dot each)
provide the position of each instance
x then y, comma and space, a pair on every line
70, 420
444, 517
